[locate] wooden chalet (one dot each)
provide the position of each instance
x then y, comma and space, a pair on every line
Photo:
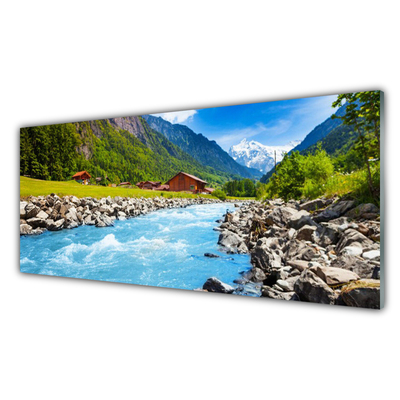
82, 177
162, 187
125, 184
150, 185
183, 182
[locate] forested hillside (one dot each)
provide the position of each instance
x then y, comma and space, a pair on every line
206, 151
124, 149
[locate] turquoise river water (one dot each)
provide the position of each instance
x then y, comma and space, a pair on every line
163, 248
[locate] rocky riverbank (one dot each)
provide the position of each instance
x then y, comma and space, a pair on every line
53, 213
321, 251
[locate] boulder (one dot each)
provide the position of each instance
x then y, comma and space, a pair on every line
329, 234
280, 216
334, 276
36, 222
334, 210
309, 287
276, 294
231, 241
264, 257
25, 229
364, 293
306, 232
351, 237
300, 219
300, 265
372, 254
215, 285
354, 264
352, 251
314, 205
41, 214
52, 225
31, 211
362, 211
22, 211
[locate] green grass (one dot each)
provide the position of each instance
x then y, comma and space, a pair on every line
37, 187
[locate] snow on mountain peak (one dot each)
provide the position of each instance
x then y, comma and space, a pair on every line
253, 154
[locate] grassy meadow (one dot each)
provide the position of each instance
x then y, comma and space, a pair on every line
37, 187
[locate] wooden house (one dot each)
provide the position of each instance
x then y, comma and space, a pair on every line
125, 184
162, 187
82, 177
150, 185
208, 190
183, 182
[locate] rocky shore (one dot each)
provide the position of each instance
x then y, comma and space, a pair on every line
321, 251
53, 213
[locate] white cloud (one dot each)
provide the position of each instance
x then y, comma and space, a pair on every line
177, 117
233, 137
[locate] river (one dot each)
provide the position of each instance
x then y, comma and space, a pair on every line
163, 248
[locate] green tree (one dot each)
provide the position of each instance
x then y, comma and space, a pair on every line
363, 112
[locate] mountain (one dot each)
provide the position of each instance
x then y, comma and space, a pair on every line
206, 151
124, 149
253, 154
316, 135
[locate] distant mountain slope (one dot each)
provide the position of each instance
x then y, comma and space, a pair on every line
124, 149
256, 155
322, 130
206, 151
317, 134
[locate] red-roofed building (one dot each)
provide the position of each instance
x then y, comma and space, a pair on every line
82, 177
183, 182
208, 190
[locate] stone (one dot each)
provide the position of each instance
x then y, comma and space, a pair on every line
372, 254
36, 222
284, 285
309, 287
352, 251
215, 285
334, 276
300, 219
230, 240
314, 205
353, 238
52, 225
264, 257
41, 214
280, 216
275, 294
211, 255
22, 211
329, 234
300, 265
31, 211
363, 211
364, 294
355, 264
306, 232
25, 229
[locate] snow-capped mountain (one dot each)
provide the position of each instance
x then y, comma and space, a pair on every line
253, 154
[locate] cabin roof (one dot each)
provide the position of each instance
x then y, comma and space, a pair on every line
80, 173
162, 187
209, 189
190, 176
124, 183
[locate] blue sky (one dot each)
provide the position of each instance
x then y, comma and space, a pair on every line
272, 123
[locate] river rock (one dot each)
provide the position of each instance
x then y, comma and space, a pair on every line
334, 276
354, 264
31, 211
25, 229
300, 219
264, 257
372, 254
22, 211
41, 214
54, 225
232, 242
300, 265
352, 251
215, 285
36, 222
211, 255
306, 232
351, 237
276, 294
280, 216
363, 211
314, 205
364, 297
309, 287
